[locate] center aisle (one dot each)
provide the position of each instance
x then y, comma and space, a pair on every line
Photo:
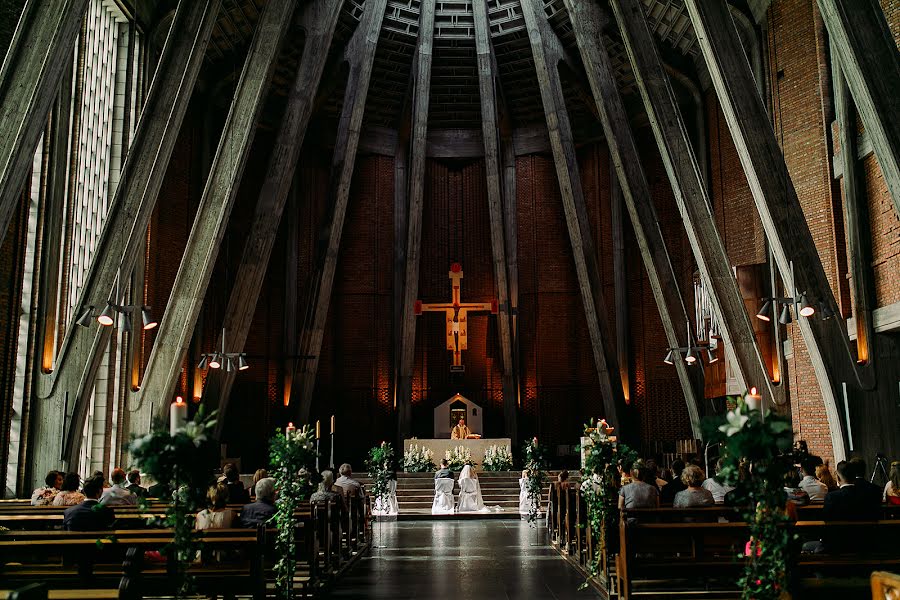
461, 559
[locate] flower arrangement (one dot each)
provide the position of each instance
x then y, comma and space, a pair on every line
599, 486
180, 462
762, 441
458, 457
536, 465
292, 457
498, 458
380, 465
418, 459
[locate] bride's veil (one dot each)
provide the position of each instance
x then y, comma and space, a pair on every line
466, 472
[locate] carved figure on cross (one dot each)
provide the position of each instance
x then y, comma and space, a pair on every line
456, 316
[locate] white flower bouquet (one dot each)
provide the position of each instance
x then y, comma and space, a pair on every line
418, 459
458, 457
498, 458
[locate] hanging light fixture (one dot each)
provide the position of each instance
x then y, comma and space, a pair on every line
126, 322
690, 358
711, 353
214, 361
670, 357
825, 311
204, 362
763, 313
806, 309
84, 319
219, 358
147, 318
106, 317
785, 317
242, 362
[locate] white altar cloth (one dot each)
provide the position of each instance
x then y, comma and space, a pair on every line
439, 447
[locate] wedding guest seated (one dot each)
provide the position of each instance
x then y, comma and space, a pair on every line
668, 492
892, 487
444, 472
858, 464
641, 492
823, 474
812, 486
850, 502
216, 516
624, 468
795, 494
159, 490
260, 474
90, 515
653, 465
237, 494
714, 484
347, 484
102, 477
134, 484
118, 494
327, 493
44, 496
68, 494
694, 494
257, 513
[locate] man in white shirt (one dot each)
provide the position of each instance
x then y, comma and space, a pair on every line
118, 494
809, 484
717, 489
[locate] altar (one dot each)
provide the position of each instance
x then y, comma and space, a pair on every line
476, 447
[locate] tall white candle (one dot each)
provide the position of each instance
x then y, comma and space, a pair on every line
289, 429
177, 415
754, 400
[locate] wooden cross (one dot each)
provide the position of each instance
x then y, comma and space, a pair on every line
456, 315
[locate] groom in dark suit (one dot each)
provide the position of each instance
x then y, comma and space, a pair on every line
445, 472
90, 515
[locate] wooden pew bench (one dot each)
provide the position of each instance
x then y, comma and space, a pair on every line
660, 554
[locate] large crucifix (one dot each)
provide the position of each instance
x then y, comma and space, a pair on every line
456, 316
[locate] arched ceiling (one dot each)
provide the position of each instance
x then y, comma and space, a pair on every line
454, 83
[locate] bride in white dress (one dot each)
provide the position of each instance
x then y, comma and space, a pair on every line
470, 499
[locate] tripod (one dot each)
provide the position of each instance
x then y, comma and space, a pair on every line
880, 465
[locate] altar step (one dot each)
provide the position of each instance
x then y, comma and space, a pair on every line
415, 493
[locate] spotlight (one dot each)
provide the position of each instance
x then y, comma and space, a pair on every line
711, 353
825, 312
670, 358
147, 318
204, 361
84, 319
126, 323
785, 317
106, 317
806, 309
763, 313
229, 364
214, 362
691, 358
242, 363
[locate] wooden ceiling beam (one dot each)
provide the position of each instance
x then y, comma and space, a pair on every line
318, 20
211, 221
495, 188
421, 103
36, 61
360, 54
65, 393
546, 50
692, 196
862, 41
779, 207
587, 20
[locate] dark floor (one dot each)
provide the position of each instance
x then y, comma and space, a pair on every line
461, 559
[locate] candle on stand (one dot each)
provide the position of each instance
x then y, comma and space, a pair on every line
318, 429
177, 415
754, 400
331, 458
332, 424
289, 429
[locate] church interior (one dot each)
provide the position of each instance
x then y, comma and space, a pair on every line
654, 212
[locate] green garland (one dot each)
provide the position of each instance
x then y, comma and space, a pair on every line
762, 442
599, 487
182, 463
380, 465
292, 459
536, 464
